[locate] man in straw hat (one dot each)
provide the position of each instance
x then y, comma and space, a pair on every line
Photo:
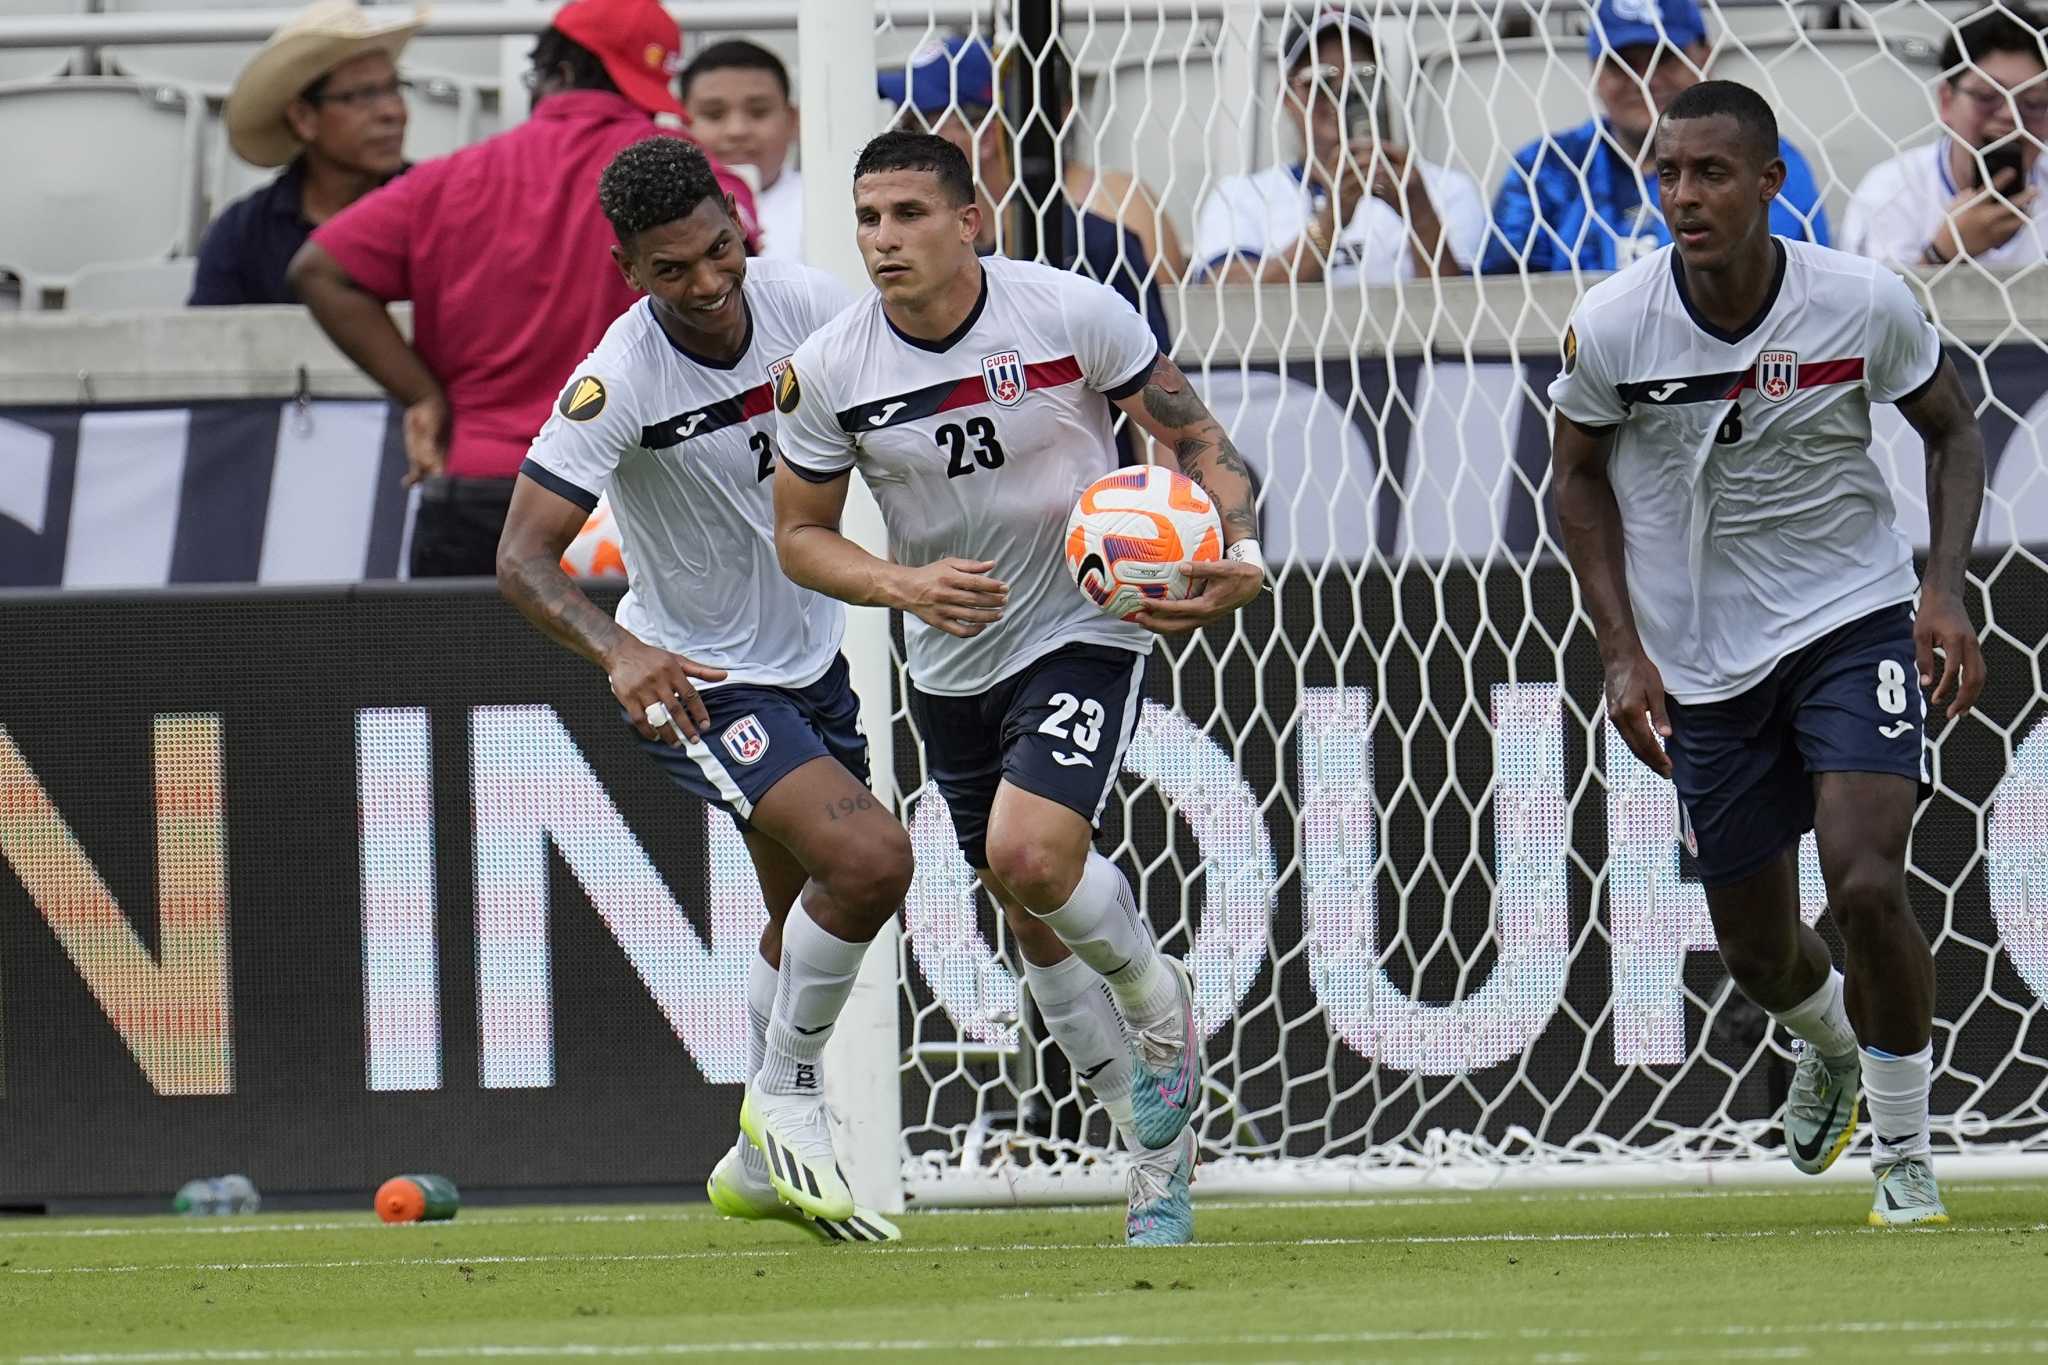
507, 260
323, 100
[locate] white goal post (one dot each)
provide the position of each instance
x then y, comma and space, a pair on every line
1442, 929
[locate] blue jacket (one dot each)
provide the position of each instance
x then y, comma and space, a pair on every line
1544, 204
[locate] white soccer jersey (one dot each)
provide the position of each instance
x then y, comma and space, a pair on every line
978, 446
1754, 517
685, 446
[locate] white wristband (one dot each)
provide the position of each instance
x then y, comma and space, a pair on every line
1247, 552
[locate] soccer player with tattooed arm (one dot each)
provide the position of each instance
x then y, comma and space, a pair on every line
1766, 642
975, 396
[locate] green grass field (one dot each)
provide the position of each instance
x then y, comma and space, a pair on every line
1744, 1274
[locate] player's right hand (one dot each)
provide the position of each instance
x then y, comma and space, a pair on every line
1635, 703
642, 674
426, 438
954, 595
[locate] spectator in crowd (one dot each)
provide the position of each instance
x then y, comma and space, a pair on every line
322, 99
1930, 205
1113, 230
507, 260
1586, 198
737, 96
1355, 207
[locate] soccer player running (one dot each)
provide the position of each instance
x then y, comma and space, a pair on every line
730, 673
975, 397
1735, 545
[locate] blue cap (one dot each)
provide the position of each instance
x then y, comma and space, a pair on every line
1640, 23
957, 71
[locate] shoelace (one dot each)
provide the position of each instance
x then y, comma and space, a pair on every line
1152, 1182
1916, 1178
1158, 1048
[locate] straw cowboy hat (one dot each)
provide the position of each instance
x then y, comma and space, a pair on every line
316, 41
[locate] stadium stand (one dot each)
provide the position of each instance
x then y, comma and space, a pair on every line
122, 286
98, 168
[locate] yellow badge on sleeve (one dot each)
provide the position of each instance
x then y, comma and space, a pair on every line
787, 393
583, 399
1571, 348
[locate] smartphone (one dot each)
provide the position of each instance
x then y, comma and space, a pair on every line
2006, 154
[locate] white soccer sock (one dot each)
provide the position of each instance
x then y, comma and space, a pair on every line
1076, 1008
762, 980
1895, 1095
1100, 922
1822, 1019
817, 975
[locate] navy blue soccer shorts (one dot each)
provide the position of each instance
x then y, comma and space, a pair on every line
1057, 728
1850, 702
759, 735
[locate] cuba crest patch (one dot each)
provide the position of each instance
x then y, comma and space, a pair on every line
1002, 374
583, 399
746, 739
1777, 374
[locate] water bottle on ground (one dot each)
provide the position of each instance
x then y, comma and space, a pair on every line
227, 1194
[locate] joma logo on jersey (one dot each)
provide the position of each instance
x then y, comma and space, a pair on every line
1003, 375
1777, 374
745, 740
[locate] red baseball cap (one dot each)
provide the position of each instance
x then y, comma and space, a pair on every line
639, 44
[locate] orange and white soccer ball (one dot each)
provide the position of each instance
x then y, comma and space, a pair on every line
595, 551
1131, 532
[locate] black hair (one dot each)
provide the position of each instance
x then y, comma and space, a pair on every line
657, 180
1731, 99
905, 151
2009, 28
734, 54
555, 48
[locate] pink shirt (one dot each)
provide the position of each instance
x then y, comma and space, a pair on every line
507, 260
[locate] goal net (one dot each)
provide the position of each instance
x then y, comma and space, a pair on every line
1440, 922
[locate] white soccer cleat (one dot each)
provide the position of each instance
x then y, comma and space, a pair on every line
1820, 1113
792, 1132
737, 1192
1907, 1196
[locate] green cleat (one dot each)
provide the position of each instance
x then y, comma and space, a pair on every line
1907, 1196
1160, 1212
738, 1192
1820, 1112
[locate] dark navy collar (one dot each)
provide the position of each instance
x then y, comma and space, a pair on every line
1756, 320
746, 341
952, 338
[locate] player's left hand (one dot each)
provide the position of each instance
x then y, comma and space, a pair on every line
1943, 625
1226, 585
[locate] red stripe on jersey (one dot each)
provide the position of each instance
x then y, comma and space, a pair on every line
1045, 374
1050, 374
757, 400
1813, 375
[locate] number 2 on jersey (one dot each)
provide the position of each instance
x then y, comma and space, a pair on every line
988, 451
763, 446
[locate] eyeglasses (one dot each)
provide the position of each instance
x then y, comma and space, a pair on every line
2032, 108
363, 96
1331, 77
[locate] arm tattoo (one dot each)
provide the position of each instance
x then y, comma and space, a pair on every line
1201, 446
546, 596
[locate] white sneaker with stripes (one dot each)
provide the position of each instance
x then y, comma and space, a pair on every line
737, 1191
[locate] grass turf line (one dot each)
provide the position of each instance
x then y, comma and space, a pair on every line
1466, 1278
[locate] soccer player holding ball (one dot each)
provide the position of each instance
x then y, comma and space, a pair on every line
1737, 549
974, 396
